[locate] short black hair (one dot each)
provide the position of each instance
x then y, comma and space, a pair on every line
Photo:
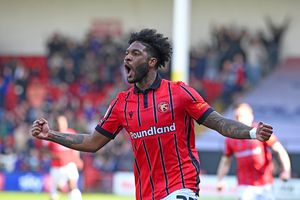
157, 45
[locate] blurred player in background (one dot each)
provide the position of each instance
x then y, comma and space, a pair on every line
159, 116
64, 165
254, 161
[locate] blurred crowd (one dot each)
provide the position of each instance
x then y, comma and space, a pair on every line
83, 77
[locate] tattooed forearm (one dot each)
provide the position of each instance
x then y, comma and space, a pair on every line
67, 139
227, 127
74, 141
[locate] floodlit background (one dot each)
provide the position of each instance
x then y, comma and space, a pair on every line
65, 56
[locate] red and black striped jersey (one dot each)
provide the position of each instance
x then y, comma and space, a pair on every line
160, 122
254, 160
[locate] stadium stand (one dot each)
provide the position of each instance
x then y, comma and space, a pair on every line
278, 104
83, 76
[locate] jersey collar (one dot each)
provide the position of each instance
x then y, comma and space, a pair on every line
154, 86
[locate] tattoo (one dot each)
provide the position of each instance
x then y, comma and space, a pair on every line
68, 140
227, 127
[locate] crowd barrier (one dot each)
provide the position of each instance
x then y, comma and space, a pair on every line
26, 182
123, 184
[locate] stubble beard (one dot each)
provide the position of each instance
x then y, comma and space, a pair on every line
141, 72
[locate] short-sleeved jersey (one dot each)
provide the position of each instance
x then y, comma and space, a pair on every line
61, 155
160, 123
254, 160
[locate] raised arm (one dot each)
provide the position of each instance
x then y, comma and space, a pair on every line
81, 142
234, 129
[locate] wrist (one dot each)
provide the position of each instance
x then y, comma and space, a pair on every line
51, 134
252, 133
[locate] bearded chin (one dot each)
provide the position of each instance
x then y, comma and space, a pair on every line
130, 81
140, 73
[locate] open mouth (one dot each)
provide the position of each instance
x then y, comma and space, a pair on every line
127, 69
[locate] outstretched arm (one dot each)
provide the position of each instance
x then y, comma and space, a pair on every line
81, 142
284, 161
234, 129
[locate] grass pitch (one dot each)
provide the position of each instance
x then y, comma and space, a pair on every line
85, 196
45, 196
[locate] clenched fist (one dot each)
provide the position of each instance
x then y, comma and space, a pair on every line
40, 129
263, 132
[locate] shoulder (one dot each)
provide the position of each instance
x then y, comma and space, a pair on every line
123, 94
175, 84
176, 88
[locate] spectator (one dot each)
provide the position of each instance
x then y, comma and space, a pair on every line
256, 60
275, 42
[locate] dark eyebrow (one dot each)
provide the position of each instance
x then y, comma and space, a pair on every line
133, 50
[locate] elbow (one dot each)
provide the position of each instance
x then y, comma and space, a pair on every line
93, 150
89, 149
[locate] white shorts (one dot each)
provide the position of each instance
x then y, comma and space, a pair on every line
60, 175
182, 194
249, 192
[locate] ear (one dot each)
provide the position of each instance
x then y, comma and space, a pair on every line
152, 62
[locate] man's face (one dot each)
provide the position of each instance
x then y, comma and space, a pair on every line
136, 62
244, 114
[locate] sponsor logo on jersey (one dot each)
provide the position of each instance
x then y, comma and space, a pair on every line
153, 130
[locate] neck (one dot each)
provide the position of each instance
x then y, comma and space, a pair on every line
147, 81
